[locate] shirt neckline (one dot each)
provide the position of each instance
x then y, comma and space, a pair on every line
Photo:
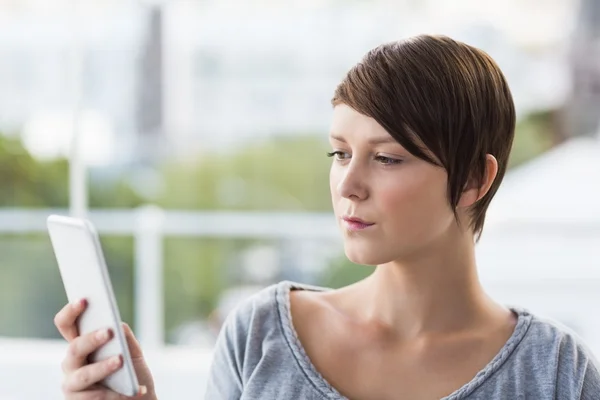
329, 392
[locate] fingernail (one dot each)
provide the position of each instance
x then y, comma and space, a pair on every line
115, 361
78, 304
143, 390
103, 334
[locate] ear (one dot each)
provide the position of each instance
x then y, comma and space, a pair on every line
474, 191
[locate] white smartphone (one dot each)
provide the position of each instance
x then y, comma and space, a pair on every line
84, 275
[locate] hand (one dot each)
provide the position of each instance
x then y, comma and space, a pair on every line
81, 381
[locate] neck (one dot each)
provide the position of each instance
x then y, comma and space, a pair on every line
435, 291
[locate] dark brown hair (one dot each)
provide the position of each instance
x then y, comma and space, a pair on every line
445, 102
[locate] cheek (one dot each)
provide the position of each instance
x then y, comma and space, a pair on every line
416, 202
334, 179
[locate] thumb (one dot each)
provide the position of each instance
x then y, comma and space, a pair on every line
134, 346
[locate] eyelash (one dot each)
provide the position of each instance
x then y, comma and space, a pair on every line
335, 153
388, 160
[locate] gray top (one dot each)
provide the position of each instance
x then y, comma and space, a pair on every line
258, 356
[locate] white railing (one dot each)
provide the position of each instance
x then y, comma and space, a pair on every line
149, 225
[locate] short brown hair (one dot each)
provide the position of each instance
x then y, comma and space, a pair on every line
444, 95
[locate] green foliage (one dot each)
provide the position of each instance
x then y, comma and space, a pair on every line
194, 278
114, 194
289, 173
342, 273
533, 136
27, 182
30, 183
30, 288
118, 251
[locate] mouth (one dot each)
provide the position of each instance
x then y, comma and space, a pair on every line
356, 224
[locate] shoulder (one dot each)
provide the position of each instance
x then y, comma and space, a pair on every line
551, 336
555, 349
262, 311
259, 306
269, 301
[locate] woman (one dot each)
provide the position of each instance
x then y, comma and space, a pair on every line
421, 136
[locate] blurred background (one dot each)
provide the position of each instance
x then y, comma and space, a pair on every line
193, 134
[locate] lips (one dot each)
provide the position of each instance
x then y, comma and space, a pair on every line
356, 220
356, 224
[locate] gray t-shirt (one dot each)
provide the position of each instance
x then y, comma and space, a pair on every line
258, 357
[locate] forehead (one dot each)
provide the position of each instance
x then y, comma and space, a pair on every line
352, 125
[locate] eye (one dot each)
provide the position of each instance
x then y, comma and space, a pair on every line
339, 155
387, 160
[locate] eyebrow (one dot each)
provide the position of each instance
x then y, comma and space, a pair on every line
375, 140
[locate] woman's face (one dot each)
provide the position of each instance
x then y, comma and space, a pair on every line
401, 199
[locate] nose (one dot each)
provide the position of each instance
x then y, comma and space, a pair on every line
352, 183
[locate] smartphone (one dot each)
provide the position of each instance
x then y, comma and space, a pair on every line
84, 275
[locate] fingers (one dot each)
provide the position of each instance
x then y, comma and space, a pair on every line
65, 319
95, 392
84, 377
142, 391
135, 350
82, 346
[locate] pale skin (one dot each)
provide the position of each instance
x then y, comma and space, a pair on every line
420, 326
80, 378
